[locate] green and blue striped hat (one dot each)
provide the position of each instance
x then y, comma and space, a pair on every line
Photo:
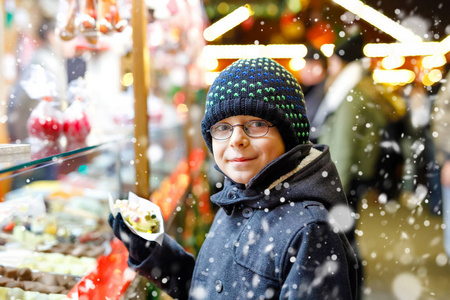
262, 88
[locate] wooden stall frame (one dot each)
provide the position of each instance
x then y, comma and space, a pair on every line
141, 80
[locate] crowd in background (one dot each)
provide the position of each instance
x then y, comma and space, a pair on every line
390, 143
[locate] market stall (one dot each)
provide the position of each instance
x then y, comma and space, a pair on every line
123, 124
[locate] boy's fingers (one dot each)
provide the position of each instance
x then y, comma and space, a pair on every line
111, 220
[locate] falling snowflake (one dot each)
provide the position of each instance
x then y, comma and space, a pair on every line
340, 218
407, 286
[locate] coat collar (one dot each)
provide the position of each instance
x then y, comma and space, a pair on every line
285, 165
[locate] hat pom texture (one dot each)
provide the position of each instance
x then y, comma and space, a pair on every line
262, 88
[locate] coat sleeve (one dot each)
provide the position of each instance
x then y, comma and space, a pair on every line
316, 266
169, 266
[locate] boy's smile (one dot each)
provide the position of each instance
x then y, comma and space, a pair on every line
242, 157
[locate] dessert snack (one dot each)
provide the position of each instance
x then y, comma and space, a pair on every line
142, 220
141, 216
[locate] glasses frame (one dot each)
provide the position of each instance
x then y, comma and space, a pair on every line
244, 128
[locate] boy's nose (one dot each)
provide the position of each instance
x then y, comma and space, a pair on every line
239, 138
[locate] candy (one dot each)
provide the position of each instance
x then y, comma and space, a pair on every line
45, 121
45, 128
78, 128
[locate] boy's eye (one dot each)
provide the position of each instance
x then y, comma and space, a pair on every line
221, 127
255, 124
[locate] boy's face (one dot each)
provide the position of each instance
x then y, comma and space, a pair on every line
241, 157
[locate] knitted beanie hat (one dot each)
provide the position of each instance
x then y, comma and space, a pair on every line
262, 88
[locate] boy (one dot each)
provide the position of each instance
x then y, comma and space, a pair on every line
271, 238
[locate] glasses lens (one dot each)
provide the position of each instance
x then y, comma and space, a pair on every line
256, 128
221, 131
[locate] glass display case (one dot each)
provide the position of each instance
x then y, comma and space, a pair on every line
55, 178
54, 210
53, 217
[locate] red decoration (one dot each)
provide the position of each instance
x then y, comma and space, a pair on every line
45, 122
109, 280
321, 33
174, 187
248, 24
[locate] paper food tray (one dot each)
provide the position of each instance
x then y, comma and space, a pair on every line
135, 201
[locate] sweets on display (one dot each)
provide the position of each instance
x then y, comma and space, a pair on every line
83, 250
59, 263
41, 282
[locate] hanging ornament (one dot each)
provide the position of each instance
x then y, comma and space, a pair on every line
91, 18
68, 12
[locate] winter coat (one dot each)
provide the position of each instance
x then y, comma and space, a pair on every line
271, 239
355, 130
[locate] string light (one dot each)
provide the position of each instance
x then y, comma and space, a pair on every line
211, 63
327, 49
380, 21
402, 49
210, 76
227, 23
251, 51
297, 63
392, 62
432, 77
434, 61
393, 77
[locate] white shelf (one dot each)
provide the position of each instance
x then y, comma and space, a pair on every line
14, 152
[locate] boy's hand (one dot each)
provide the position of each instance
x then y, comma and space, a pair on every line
138, 247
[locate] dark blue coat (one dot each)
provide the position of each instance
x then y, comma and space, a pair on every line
271, 239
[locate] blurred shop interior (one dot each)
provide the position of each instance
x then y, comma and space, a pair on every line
100, 98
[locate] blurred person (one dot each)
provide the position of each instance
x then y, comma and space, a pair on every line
357, 111
313, 79
52, 54
271, 238
345, 69
440, 123
356, 119
420, 174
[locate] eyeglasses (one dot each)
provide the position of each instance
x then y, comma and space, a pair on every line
254, 128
